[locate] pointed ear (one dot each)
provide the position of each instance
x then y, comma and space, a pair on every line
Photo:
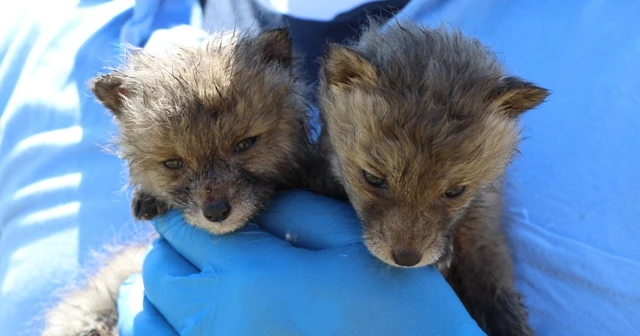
514, 96
344, 67
276, 46
110, 92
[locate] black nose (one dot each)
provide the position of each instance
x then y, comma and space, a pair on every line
405, 256
217, 211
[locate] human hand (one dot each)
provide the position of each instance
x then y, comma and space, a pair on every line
320, 281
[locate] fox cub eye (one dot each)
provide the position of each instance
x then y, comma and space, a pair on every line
174, 164
245, 144
373, 180
454, 192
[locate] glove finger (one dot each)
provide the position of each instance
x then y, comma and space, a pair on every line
152, 322
163, 260
165, 273
136, 315
311, 221
207, 251
177, 289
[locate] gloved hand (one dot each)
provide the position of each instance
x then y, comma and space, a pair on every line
321, 280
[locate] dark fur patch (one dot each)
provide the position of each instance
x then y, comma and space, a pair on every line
108, 89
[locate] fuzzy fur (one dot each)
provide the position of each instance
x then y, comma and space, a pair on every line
426, 110
90, 310
196, 105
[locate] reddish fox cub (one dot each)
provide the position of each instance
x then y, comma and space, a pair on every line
419, 127
211, 131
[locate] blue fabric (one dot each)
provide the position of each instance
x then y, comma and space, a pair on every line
573, 199
61, 193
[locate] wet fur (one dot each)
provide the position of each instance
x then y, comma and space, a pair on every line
196, 104
429, 109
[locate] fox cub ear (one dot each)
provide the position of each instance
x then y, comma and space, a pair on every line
276, 46
345, 68
110, 92
514, 96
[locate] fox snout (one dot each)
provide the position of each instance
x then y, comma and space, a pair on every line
406, 256
408, 246
216, 211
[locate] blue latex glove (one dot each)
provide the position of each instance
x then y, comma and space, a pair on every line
320, 281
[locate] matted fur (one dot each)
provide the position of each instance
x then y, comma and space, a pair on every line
196, 104
427, 110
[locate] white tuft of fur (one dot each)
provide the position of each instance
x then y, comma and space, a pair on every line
90, 310
240, 215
